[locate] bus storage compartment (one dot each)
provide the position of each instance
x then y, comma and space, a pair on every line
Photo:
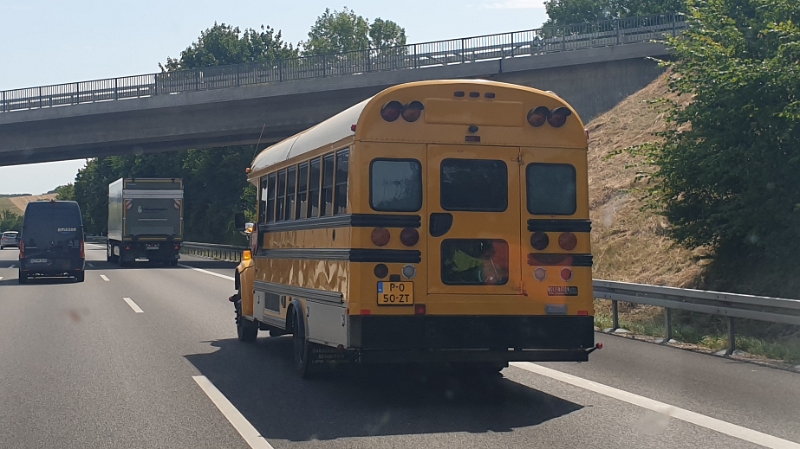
429, 338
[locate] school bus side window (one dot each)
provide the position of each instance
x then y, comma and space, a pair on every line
395, 185
262, 203
302, 191
340, 195
551, 189
290, 191
279, 213
313, 189
327, 185
271, 198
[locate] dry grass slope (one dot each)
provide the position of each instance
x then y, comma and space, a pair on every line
630, 244
17, 204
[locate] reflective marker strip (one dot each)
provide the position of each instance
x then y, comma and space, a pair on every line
724, 427
133, 305
237, 420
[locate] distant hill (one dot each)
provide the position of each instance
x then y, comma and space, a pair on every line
16, 203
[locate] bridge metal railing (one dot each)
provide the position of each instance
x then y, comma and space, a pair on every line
413, 56
729, 305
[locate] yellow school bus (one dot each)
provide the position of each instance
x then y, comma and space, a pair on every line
436, 222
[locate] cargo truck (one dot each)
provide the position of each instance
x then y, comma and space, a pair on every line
145, 220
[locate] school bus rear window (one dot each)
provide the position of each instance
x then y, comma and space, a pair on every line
551, 189
474, 262
395, 185
474, 185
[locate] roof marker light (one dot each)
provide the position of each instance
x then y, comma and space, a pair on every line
474, 94
458, 93
412, 111
537, 117
391, 111
558, 117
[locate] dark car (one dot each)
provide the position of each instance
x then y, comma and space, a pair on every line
9, 238
52, 242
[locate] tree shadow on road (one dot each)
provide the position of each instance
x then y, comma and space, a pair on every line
365, 401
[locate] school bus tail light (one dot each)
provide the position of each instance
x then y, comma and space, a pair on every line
391, 111
566, 274
380, 236
537, 117
412, 111
558, 117
540, 240
409, 236
567, 241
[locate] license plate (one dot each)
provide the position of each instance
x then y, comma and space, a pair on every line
151, 246
37, 260
395, 293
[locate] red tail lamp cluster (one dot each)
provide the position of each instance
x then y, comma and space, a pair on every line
393, 110
566, 241
556, 118
381, 236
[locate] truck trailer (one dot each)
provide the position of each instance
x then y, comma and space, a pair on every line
145, 220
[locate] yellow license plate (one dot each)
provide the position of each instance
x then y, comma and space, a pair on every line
395, 293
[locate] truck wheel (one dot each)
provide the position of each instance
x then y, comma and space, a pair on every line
109, 253
23, 278
80, 277
301, 345
246, 330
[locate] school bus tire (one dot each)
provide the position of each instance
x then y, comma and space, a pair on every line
301, 346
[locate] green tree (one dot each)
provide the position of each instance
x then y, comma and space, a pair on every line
9, 221
727, 170
343, 31
225, 45
567, 12
65, 192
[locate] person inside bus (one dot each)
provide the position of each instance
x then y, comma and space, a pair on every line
489, 267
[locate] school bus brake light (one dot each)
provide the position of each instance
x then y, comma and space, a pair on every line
380, 236
409, 236
567, 241
540, 241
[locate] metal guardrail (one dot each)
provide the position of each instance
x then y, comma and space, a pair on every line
212, 251
730, 305
412, 56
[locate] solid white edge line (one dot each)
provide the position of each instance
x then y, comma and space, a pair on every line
103, 276
230, 278
724, 427
237, 420
133, 305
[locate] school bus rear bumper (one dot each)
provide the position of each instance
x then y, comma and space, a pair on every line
472, 338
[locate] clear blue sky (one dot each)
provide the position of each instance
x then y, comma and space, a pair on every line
54, 41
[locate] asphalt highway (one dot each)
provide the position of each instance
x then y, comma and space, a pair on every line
147, 357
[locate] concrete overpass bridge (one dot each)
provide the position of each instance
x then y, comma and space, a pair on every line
592, 66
